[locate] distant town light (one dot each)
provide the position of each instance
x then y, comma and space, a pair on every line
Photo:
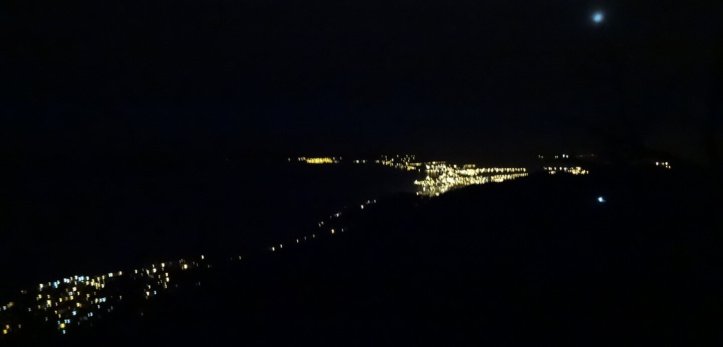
601, 199
319, 160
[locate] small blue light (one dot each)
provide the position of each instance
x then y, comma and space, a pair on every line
601, 199
598, 17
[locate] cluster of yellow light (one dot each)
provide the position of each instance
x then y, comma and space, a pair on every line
6, 323
74, 300
319, 160
77, 299
157, 277
399, 161
573, 170
7, 328
663, 164
404, 162
441, 177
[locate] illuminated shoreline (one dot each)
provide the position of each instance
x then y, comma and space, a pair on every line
441, 177
75, 301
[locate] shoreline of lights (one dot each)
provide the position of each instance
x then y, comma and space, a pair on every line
402, 162
442, 177
77, 300
318, 160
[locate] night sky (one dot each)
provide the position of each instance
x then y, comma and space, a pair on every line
473, 79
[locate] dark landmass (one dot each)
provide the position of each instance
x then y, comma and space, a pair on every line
92, 217
537, 261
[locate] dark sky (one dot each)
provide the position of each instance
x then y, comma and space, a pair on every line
483, 79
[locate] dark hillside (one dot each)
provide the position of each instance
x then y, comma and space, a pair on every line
538, 261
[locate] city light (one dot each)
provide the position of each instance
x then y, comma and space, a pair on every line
663, 165
572, 170
75, 300
406, 162
442, 177
319, 160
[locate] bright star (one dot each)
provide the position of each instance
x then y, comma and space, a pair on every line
598, 17
601, 199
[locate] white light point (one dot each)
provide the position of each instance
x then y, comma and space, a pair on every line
598, 17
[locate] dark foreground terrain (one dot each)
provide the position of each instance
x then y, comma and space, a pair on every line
534, 262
